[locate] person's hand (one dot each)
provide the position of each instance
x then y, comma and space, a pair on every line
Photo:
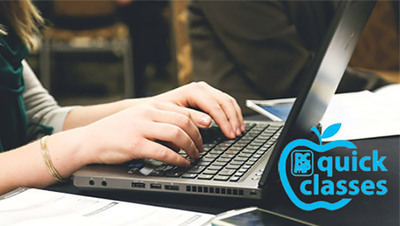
220, 106
138, 132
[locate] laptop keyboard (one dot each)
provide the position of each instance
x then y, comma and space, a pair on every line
223, 159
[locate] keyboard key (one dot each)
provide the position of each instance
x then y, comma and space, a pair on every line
208, 159
251, 148
216, 152
205, 177
210, 172
248, 151
244, 155
236, 163
211, 156
189, 175
196, 169
253, 159
242, 159
234, 179
221, 178
230, 166
260, 152
226, 172
219, 163
270, 142
157, 173
212, 167
203, 162
227, 155
258, 141
223, 160
232, 152
247, 166
225, 145
240, 145
172, 174
237, 174
230, 141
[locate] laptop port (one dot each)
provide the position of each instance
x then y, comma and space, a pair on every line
253, 193
155, 186
171, 187
138, 185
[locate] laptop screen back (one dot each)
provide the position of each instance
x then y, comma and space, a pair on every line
322, 78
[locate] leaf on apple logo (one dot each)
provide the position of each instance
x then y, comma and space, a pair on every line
316, 131
331, 131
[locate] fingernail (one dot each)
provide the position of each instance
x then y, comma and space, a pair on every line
187, 163
233, 134
243, 127
238, 132
205, 120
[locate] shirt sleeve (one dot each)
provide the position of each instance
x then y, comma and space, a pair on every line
41, 107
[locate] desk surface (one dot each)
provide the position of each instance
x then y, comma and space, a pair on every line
362, 210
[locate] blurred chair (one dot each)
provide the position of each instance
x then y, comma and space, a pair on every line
182, 44
71, 34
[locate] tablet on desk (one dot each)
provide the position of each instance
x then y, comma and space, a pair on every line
276, 110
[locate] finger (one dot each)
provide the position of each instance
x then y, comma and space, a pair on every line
173, 134
160, 152
208, 103
239, 110
200, 119
183, 122
169, 145
230, 107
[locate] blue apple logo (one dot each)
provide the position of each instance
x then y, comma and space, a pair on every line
305, 162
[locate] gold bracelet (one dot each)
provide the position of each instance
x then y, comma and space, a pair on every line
48, 161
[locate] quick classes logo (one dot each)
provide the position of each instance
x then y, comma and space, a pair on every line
302, 165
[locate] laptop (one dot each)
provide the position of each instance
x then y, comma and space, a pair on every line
246, 166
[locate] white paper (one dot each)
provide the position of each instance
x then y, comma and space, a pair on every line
41, 207
362, 114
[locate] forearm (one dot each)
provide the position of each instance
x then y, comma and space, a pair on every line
25, 166
82, 116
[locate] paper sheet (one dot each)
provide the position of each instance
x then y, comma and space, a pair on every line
362, 114
41, 207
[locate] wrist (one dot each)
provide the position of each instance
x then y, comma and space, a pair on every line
87, 145
66, 151
127, 103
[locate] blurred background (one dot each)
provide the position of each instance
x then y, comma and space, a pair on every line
100, 51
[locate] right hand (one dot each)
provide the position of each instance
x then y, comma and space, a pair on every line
136, 132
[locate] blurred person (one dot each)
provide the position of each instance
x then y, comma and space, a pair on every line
261, 49
110, 133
